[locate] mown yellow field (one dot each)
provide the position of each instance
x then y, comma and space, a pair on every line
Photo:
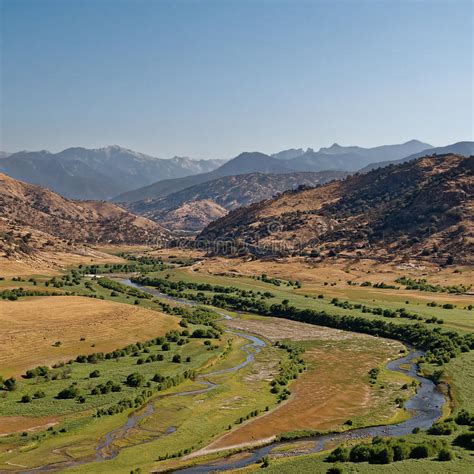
32, 326
52, 263
338, 271
331, 279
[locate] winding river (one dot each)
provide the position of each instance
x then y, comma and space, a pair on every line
425, 408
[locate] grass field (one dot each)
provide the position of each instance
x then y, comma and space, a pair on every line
197, 418
76, 432
335, 285
459, 373
53, 262
32, 326
321, 398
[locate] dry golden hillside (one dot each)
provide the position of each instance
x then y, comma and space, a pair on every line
30, 206
421, 208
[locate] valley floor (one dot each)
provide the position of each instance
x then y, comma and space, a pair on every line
202, 389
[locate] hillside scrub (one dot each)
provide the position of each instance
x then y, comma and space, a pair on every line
422, 284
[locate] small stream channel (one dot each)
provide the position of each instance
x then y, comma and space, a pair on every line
425, 407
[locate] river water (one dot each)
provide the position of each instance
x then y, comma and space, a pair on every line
424, 407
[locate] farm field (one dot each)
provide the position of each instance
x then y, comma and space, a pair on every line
61, 327
53, 263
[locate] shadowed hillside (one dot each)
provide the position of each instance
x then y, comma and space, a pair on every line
420, 208
34, 218
195, 207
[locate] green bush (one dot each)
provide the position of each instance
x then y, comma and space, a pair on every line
135, 380
68, 393
465, 440
339, 454
419, 452
443, 428
445, 455
465, 418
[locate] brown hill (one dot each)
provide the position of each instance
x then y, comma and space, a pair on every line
190, 216
421, 208
195, 207
31, 216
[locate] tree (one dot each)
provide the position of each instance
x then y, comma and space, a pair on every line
420, 451
335, 470
135, 380
445, 455
381, 455
10, 384
339, 454
68, 393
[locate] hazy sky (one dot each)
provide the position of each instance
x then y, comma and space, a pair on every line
210, 79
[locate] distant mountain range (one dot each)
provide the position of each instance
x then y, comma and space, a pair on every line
125, 176
245, 163
422, 208
80, 173
193, 208
352, 158
459, 148
335, 157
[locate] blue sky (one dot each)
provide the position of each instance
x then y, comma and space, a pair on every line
210, 79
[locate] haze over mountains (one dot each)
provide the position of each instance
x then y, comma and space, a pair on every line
459, 148
186, 194
335, 157
244, 163
80, 173
348, 158
419, 207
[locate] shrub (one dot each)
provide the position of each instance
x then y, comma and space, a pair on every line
445, 455
419, 452
36, 372
68, 393
465, 440
335, 470
443, 428
94, 374
135, 380
360, 453
339, 454
381, 455
464, 418
400, 452
25, 399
